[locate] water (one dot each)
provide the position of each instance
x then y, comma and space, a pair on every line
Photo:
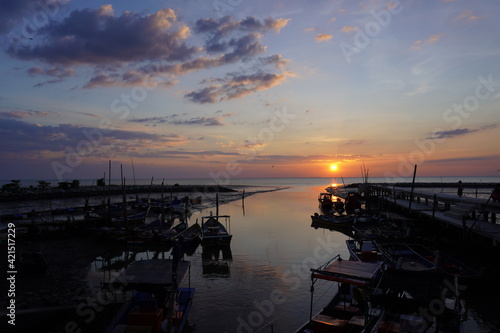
311, 181
264, 285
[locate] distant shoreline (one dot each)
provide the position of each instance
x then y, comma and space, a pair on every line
432, 185
25, 194
84, 191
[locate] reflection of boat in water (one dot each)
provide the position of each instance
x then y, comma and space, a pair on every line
333, 221
216, 260
346, 230
158, 304
213, 232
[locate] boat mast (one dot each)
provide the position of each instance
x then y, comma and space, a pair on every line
217, 205
124, 199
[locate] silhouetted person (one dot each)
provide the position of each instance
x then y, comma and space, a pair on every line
495, 194
352, 203
339, 206
460, 190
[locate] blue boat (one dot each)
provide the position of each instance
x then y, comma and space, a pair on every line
157, 304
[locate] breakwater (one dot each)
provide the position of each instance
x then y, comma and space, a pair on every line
431, 185
93, 191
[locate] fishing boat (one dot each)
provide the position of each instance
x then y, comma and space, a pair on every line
364, 250
132, 220
191, 235
325, 200
214, 232
402, 257
158, 303
445, 263
332, 220
349, 310
406, 296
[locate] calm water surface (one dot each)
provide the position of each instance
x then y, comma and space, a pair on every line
263, 284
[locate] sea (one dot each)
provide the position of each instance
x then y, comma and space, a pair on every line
262, 283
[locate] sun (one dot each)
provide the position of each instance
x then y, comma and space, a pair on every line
333, 167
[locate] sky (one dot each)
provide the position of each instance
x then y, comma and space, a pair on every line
227, 89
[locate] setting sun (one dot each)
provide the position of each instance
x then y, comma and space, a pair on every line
333, 167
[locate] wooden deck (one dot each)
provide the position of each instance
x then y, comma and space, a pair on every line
475, 214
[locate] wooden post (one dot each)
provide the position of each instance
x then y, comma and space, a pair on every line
412, 187
434, 206
217, 205
162, 203
464, 227
124, 199
108, 210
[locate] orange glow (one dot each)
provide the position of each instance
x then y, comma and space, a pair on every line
333, 167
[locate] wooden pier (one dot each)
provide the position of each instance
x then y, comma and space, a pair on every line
475, 215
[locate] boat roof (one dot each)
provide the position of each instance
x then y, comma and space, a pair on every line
353, 272
214, 216
151, 274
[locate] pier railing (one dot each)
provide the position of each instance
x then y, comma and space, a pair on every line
477, 214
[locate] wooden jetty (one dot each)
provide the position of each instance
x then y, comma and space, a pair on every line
475, 215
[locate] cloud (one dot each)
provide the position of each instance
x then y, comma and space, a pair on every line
467, 16
348, 28
20, 137
13, 12
234, 86
276, 60
434, 38
98, 37
417, 45
259, 158
173, 119
131, 48
489, 158
460, 132
58, 74
218, 28
185, 154
323, 37
22, 114
352, 142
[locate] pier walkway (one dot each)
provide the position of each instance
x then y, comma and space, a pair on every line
468, 213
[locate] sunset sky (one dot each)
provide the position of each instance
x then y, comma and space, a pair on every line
238, 88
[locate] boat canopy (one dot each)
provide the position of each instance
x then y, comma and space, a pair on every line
150, 275
357, 273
